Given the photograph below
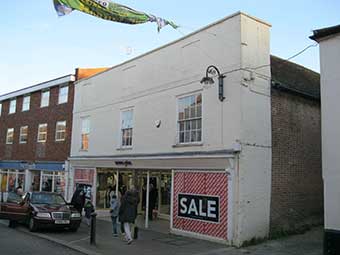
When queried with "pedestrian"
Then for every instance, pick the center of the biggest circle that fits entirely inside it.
(78, 199)
(153, 194)
(114, 213)
(19, 190)
(89, 209)
(108, 194)
(122, 190)
(128, 212)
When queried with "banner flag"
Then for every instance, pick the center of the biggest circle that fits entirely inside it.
(108, 10)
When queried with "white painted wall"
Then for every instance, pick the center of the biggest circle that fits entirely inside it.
(255, 158)
(330, 94)
(151, 84)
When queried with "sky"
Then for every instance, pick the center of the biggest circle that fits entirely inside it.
(36, 45)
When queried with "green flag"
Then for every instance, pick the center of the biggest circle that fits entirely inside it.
(108, 10)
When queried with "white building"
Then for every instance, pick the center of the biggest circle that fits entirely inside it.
(150, 120)
(329, 41)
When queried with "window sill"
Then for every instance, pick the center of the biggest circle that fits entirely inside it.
(180, 145)
(129, 148)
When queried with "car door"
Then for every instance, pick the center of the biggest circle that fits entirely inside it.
(15, 208)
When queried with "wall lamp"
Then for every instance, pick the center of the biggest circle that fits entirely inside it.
(212, 70)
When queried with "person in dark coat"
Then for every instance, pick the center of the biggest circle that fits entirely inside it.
(78, 199)
(153, 194)
(128, 211)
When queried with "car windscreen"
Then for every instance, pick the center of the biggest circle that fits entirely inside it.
(45, 198)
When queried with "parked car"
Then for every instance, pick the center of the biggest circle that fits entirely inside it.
(39, 210)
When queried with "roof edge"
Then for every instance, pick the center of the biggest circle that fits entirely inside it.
(239, 13)
(43, 85)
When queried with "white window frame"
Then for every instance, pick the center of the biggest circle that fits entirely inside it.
(21, 135)
(12, 106)
(196, 93)
(0, 108)
(63, 97)
(85, 131)
(63, 123)
(121, 130)
(42, 133)
(45, 102)
(7, 135)
(26, 105)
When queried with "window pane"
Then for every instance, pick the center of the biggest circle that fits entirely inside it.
(10, 135)
(12, 106)
(42, 133)
(189, 120)
(186, 136)
(26, 103)
(60, 131)
(63, 95)
(23, 134)
(84, 142)
(45, 98)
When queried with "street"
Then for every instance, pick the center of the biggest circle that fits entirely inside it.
(13, 242)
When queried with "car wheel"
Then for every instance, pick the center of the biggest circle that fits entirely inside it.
(12, 224)
(32, 225)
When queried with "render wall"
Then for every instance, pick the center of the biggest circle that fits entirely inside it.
(151, 85)
(254, 172)
(297, 187)
(330, 93)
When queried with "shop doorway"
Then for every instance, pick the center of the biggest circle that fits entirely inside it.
(154, 189)
(155, 192)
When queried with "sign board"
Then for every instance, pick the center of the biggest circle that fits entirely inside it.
(199, 207)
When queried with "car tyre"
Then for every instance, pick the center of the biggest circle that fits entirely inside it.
(12, 224)
(32, 225)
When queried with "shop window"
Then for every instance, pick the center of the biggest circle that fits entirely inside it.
(63, 95)
(10, 136)
(189, 123)
(12, 106)
(53, 182)
(60, 133)
(45, 98)
(26, 103)
(42, 133)
(127, 127)
(85, 133)
(11, 180)
(23, 134)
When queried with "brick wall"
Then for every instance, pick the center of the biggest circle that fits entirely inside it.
(297, 187)
(33, 151)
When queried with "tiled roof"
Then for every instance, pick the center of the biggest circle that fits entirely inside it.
(295, 78)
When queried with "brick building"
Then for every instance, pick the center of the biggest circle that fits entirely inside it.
(296, 193)
(35, 134)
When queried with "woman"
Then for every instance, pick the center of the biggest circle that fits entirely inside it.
(128, 212)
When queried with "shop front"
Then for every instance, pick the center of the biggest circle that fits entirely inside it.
(32, 177)
(187, 196)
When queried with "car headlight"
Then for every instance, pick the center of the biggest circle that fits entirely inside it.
(43, 215)
(75, 215)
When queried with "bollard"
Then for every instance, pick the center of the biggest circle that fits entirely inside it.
(93, 229)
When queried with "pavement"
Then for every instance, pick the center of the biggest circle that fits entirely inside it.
(152, 243)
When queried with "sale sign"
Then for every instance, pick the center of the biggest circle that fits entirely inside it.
(200, 203)
(198, 207)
